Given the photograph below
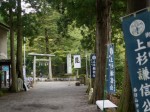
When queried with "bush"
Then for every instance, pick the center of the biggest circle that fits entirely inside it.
(1, 93)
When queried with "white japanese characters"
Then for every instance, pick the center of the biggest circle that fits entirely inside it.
(145, 90)
(110, 70)
(93, 65)
(136, 31)
(143, 74)
(146, 105)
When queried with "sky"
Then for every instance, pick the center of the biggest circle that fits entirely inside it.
(27, 7)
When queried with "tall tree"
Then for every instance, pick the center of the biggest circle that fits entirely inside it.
(46, 29)
(7, 10)
(127, 103)
(102, 37)
(19, 40)
(12, 51)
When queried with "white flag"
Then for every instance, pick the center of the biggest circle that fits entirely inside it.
(77, 61)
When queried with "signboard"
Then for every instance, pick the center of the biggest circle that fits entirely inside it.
(77, 61)
(93, 65)
(136, 31)
(111, 83)
(69, 65)
(5, 68)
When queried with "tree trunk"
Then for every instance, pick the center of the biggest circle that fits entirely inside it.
(46, 41)
(0, 79)
(102, 36)
(126, 102)
(19, 40)
(12, 51)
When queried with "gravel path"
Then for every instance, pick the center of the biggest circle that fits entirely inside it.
(48, 97)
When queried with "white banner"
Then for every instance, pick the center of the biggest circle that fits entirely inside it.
(77, 61)
(69, 64)
(25, 78)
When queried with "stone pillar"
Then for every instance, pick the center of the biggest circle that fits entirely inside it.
(34, 69)
(50, 69)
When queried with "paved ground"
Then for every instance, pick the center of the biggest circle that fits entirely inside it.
(48, 97)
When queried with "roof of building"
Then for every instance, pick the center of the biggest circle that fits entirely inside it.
(5, 62)
(4, 26)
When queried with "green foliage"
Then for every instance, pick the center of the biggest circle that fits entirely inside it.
(88, 41)
(117, 37)
(1, 72)
(119, 67)
(83, 14)
(1, 18)
(1, 93)
(30, 24)
(82, 11)
(71, 26)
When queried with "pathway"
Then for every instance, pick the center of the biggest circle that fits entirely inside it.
(48, 97)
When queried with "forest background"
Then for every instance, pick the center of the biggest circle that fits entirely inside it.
(61, 27)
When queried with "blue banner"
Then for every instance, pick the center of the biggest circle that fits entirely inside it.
(136, 29)
(110, 77)
(5, 68)
(93, 65)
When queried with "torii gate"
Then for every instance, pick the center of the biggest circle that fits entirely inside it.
(35, 60)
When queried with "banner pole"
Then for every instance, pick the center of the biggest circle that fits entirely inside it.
(148, 8)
